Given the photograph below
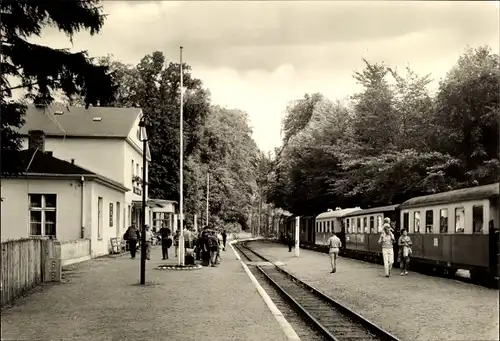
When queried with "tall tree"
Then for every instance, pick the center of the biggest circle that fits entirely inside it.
(41, 70)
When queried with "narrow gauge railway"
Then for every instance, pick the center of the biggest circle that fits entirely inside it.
(335, 321)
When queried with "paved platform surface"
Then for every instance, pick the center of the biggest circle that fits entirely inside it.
(102, 300)
(413, 307)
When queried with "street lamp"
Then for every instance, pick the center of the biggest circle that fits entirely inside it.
(143, 136)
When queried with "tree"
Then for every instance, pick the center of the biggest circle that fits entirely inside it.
(41, 70)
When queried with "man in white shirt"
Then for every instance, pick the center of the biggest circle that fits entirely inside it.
(149, 239)
(334, 245)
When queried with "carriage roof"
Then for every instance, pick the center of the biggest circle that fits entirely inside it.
(337, 213)
(458, 195)
(373, 210)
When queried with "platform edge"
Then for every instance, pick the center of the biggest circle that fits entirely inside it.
(284, 324)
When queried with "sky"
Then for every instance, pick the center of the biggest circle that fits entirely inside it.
(257, 56)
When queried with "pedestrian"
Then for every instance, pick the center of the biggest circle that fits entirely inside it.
(290, 242)
(205, 247)
(166, 241)
(132, 235)
(149, 241)
(219, 245)
(224, 239)
(404, 244)
(334, 245)
(212, 242)
(176, 241)
(387, 240)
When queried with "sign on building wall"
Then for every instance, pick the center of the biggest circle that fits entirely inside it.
(110, 214)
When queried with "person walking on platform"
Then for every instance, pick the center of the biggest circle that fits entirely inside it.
(387, 240)
(334, 245)
(166, 241)
(132, 235)
(219, 246)
(224, 239)
(212, 242)
(205, 247)
(149, 241)
(404, 244)
(290, 242)
(177, 235)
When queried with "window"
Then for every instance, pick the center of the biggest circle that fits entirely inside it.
(348, 225)
(416, 222)
(328, 226)
(129, 216)
(137, 170)
(99, 218)
(358, 224)
(110, 214)
(365, 224)
(459, 220)
(133, 163)
(443, 220)
(429, 221)
(406, 221)
(477, 219)
(43, 214)
(379, 223)
(372, 224)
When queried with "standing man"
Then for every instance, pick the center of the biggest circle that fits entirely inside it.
(334, 245)
(166, 241)
(224, 238)
(132, 235)
(290, 242)
(149, 240)
(387, 240)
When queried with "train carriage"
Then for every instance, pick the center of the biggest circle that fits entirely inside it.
(455, 230)
(306, 229)
(330, 221)
(363, 228)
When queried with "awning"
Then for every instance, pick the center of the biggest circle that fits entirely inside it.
(149, 203)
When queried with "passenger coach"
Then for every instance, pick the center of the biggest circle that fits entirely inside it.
(331, 221)
(455, 230)
(363, 228)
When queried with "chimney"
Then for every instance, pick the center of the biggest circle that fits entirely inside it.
(36, 139)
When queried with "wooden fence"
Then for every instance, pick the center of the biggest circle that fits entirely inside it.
(23, 266)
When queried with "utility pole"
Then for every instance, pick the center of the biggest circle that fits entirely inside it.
(180, 256)
(208, 192)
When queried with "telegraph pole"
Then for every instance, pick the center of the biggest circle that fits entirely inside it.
(181, 170)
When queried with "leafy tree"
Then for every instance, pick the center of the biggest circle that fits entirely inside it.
(41, 70)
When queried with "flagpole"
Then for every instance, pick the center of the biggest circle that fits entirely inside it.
(181, 170)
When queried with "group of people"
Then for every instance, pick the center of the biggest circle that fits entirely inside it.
(386, 240)
(206, 245)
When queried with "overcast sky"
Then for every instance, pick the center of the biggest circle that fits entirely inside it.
(257, 56)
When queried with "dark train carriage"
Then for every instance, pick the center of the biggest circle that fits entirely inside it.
(306, 228)
(363, 228)
(455, 230)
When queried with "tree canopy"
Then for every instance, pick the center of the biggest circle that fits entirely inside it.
(393, 140)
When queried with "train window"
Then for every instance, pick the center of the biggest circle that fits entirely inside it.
(443, 220)
(372, 224)
(459, 220)
(328, 226)
(358, 224)
(429, 221)
(317, 226)
(365, 225)
(416, 222)
(406, 221)
(477, 219)
(379, 223)
(348, 226)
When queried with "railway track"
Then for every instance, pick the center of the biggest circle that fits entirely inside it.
(335, 321)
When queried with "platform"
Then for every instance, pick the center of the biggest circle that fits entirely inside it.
(102, 300)
(413, 307)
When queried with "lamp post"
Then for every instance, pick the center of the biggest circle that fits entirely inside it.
(143, 136)
(180, 259)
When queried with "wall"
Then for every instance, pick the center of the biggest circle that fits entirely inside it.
(75, 251)
(102, 156)
(15, 207)
(101, 246)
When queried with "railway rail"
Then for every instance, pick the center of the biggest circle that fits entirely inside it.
(335, 321)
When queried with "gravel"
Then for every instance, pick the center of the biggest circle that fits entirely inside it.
(413, 307)
(101, 300)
